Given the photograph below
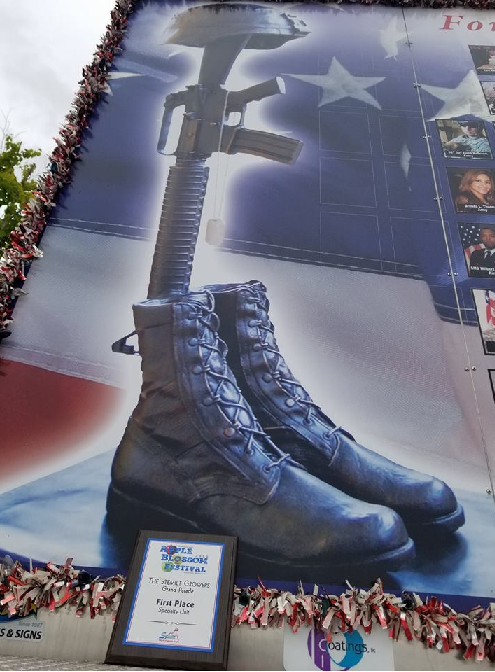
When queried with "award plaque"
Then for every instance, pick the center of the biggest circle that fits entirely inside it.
(176, 607)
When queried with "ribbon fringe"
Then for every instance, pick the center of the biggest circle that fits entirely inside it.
(433, 622)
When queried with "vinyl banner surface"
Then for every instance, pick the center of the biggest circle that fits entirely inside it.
(321, 388)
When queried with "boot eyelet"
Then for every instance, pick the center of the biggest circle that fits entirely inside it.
(193, 341)
(257, 347)
(197, 369)
(249, 452)
(267, 468)
(208, 401)
(229, 431)
(267, 377)
(307, 421)
(328, 435)
(290, 402)
(253, 323)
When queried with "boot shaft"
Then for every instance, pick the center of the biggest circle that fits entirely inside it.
(278, 399)
(253, 353)
(191, 412)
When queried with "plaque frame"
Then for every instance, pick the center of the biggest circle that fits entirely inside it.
(119, 653)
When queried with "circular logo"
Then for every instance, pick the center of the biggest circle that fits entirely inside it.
(343, 653)
(177, 559)
(170, 549)
(168, 566)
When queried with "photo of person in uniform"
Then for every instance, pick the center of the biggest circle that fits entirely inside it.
(465, 138)
(483, 58)
(478, 242)
(473, 190)
(489, 93)
(484, 300)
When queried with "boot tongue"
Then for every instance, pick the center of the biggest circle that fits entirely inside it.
(278, 364)
(200, 298)
(204, 298)
(235, 287)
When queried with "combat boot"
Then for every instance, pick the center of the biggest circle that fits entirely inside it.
(194, 459)
(292, 420)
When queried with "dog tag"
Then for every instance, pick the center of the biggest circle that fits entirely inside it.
(215, 231)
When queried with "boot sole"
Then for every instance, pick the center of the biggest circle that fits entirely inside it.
(447, 524)
(127, 515)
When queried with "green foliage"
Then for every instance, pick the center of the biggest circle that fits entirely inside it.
(16, 184)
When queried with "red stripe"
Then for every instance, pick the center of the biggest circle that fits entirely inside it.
(46, 414)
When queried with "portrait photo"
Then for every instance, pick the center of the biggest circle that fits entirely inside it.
(473, 189)
(489, 93)
(478, 243)
(483, 58)
(463, 138)
(484, 300)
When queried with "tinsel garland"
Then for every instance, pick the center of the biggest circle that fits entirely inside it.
(23, 591)
(22, 247)
(433, 622)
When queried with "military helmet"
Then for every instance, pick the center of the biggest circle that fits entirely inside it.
(204, 24)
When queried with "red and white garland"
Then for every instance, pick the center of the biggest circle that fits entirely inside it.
(22, 248)
(25, 591)
(433, 622)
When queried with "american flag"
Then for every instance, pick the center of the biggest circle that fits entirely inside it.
(470, 239)
(490, 306)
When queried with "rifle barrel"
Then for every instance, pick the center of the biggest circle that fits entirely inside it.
(179, 227)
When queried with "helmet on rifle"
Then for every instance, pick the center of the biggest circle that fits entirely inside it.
(268, 29)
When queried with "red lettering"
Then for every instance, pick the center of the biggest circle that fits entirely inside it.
(474, 25)
(449, 19)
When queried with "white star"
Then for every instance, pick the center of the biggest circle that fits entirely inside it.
(175, 52)
(117, 75)
(405, 159)
(142, 69)
(338, 83)
(466, 98)
(390, 38)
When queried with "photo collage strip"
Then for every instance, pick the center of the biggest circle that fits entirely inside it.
(473, 193)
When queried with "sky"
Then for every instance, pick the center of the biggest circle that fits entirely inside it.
(43, 48)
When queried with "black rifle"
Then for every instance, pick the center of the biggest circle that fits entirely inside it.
(224, 30)
(205, 131)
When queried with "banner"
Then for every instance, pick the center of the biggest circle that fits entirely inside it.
(321, 390)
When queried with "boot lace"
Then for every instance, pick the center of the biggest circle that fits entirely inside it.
(224, 390)
(278, 367)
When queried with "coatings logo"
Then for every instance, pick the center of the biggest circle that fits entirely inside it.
(345, 652)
